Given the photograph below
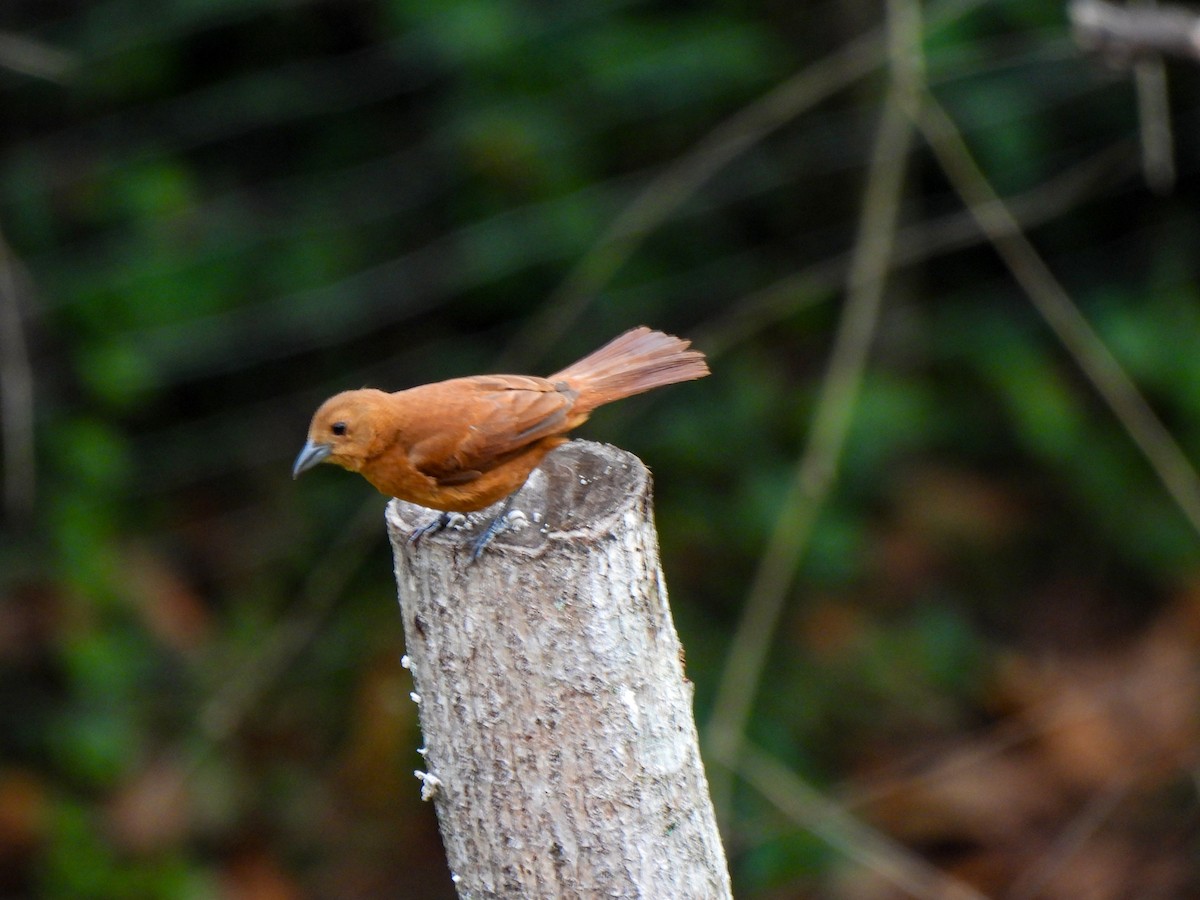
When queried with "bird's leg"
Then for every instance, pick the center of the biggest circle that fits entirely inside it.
(441, 523)
(498, 523)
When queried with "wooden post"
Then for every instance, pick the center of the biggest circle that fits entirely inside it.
(561, 750)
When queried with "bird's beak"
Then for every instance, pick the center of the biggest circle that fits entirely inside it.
(309, 456)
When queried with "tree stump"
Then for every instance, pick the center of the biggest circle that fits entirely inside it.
(561, 750)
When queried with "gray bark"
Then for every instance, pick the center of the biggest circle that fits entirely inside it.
(561, 750)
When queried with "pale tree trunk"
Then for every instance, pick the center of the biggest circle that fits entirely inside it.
(561, 751)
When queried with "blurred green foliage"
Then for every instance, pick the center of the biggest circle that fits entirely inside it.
(226, 211)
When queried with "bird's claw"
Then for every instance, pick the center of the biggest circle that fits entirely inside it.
(494, 527)
(502, 522)
(441, 523)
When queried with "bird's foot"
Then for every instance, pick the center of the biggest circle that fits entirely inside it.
(504, 520)
(441, 523)
(494, 527)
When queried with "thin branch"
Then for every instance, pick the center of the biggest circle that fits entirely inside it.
(29, 57)
(1054, 304)
(16, 393)
(680, 181)
(817, 468)
(1125, 33)
(1154, 119)
(830, 821)
(915, 243)
(1033, 882)
(253, 676)
(1040, 721)
(659, 199)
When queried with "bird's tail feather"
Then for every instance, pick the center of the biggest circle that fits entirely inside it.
(636, 361)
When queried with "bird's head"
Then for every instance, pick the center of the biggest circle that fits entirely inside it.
(346, 430)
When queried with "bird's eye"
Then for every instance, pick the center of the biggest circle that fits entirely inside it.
(338, 428)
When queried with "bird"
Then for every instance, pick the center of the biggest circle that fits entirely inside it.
(461, 445)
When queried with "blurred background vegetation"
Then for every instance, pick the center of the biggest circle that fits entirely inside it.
(940, 602)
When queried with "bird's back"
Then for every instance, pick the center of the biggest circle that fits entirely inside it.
(463, 444)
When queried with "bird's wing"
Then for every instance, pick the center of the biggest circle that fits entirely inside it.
(495, 417)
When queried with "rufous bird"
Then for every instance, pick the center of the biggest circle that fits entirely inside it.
(461, 445)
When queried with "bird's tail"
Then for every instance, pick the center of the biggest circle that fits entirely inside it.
(636, 361)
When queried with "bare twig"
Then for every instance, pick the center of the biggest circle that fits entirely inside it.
(817, 468)
(252, 676)
(915, 242)
(1054, 304)
(1125, 33)
(30, 57)
(1041, 721)
(16, 393)
(684, 177)
(830, 821)
(1033, 881)
(1154, 119)
(1138, 35)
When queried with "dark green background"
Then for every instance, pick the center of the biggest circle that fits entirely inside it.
(221, 212)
